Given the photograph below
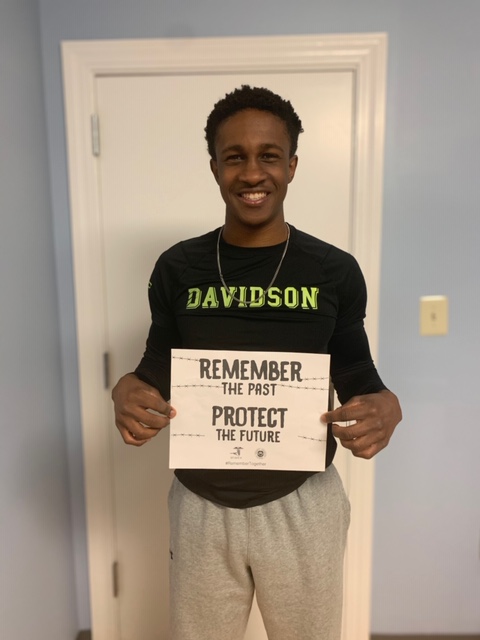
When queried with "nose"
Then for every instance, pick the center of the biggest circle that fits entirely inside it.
(252, 171)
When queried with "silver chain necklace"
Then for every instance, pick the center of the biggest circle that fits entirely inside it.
(262, 295)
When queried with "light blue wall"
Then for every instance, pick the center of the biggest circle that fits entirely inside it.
(427, 522)
(37, 595)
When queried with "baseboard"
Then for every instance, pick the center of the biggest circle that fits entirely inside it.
(375, 636)
(87, 635)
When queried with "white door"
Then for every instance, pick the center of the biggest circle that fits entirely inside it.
(151, 186)
(156, 188)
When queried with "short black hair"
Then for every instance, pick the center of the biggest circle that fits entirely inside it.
(247, 97)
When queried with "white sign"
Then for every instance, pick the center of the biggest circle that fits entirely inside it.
(248, 410)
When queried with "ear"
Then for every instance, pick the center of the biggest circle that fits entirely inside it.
(292, 167)
(214, 169)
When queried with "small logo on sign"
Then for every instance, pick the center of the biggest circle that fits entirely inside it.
(260, 453)
(237, 451)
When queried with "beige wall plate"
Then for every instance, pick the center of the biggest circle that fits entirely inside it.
(433, 315)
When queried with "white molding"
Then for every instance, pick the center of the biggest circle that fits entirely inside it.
(89, 296)
(366, 246)
(83, 61)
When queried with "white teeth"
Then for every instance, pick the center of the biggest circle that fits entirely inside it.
(254, 196)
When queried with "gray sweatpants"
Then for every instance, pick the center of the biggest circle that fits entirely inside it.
(290, 551)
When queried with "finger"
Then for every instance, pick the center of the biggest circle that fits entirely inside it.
(371, 428)
(130, 400)
(355, 445)
(142, 428)
(366, 451)
(344, 434)
(364, 446)
(148, 417)
(136, 411)
(138, 430)
(151, 400)
(131, 439)
(354, 409)
(360, 430)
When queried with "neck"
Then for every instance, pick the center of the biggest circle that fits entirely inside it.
(262, 295)
(255, 236)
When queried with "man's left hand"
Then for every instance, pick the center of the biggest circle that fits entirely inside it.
(375, 416)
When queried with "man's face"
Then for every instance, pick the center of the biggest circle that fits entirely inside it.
(253, 169)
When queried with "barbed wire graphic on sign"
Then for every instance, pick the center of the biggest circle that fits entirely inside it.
(210, 386)
(296, 386)
(314, 439)
(188, 435)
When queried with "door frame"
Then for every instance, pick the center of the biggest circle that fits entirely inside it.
(364, 55)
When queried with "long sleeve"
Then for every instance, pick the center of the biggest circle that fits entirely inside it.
(154, 367)
(352, 369)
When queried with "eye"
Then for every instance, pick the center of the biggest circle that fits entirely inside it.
(269, 157)
(233, 158)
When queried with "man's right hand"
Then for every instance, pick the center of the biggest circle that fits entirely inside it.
(137, 409)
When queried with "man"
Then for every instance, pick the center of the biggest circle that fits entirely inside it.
(279, 533)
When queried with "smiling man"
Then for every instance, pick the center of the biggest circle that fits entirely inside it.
(258, 283)
(253, 164)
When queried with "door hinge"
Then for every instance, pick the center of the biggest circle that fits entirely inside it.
(115, 579)
(95, 128)
(106, 370)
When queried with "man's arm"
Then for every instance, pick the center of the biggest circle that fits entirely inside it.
(140, 411)
(375, 415)
(365, 399)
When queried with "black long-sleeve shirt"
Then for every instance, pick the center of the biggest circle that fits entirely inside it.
(316, 305)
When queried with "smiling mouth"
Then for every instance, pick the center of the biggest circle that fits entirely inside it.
(253, 198)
